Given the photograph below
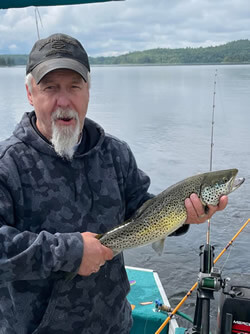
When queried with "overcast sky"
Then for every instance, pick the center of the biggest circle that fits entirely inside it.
(119, 27)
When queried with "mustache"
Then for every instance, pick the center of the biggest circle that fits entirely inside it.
(65, 114)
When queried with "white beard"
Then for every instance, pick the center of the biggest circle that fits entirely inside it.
(64, 138)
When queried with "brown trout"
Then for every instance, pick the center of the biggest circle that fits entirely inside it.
(165, 213)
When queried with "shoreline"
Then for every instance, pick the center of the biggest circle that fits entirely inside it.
(147, 64)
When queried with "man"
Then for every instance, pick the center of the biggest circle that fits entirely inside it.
(62, 180)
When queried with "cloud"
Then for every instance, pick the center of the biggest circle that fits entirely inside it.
(123, 26)
(13, 47)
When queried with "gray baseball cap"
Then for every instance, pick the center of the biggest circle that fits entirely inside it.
(56, 52)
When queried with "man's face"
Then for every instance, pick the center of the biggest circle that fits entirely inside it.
(60, 101)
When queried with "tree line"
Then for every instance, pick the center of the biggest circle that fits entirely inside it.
(13, 60)
(232, 52)
(236, 52)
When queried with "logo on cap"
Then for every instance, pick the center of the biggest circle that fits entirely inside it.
(58, 44)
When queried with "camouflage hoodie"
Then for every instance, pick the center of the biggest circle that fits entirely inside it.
(45, 202)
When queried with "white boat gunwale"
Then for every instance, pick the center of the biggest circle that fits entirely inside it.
(173, 323)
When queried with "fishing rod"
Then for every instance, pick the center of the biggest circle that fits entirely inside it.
(196, 284)
(212, 127)
(207, 272)
(211, 148)
(37, 15)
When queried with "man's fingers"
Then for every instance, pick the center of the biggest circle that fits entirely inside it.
(94, 255)
(211, 210)
(107, 253)
(197, 205)
(223, 203)
(190, 208)
(195, 210)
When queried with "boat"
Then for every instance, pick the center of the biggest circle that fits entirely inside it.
(146, 290)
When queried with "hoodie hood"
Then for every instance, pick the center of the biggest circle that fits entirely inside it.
(27, 132)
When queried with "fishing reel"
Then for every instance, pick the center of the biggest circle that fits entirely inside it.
(210, 281)
(209, 278)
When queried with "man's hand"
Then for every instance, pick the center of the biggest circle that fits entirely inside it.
(94, 255)
(195, 209)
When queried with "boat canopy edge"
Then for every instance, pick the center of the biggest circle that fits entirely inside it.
(5, 4)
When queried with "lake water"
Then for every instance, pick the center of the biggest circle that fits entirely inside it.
(164, 113)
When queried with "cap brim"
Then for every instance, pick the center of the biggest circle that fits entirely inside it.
(58, 63)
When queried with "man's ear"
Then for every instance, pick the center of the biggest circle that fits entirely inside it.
(29, 95)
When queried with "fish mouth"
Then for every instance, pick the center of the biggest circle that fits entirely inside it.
(236, 183)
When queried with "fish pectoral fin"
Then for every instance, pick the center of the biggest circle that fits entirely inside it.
(98, 236)
(158, 246)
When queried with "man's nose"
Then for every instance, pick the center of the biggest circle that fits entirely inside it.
(63, 100)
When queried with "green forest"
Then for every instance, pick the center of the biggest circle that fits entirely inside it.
(236, 52)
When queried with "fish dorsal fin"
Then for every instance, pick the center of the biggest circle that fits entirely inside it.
(158, 246)
(142, 208)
